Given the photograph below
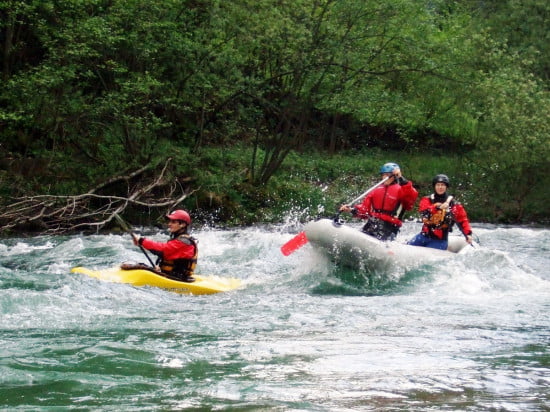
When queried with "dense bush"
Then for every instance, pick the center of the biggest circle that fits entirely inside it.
(269, 105)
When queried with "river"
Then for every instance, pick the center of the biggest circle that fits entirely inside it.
(468, 334)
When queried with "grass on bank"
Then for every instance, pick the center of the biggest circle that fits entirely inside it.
(307, 185)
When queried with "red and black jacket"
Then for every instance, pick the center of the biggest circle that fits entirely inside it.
(439, 228)
(177, 257)
(388, 202)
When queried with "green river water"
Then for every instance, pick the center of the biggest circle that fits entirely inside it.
(468, 334)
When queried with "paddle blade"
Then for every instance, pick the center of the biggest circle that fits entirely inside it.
(295, 243)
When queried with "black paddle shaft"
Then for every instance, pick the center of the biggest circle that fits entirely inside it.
(126, 227)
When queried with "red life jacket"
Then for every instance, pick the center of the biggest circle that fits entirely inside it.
(439, 229)
(177, 257)
(181, 266)
(388, 203)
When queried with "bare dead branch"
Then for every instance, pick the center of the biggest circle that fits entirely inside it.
(93, 210)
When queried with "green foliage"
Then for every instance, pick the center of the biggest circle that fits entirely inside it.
(523, 26)
(241, 91)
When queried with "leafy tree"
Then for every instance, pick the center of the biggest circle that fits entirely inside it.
(520, 24)
(116, 84)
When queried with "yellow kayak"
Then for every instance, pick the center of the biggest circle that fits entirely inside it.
(203, 285)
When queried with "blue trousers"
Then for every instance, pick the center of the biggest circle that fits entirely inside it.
(422, 240)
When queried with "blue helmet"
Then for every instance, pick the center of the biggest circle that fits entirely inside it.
(389, 167)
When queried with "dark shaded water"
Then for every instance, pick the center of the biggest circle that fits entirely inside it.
(468, 334)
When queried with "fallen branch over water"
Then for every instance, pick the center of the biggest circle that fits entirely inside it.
(95, 209)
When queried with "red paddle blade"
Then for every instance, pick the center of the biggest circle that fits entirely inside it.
(295, 243)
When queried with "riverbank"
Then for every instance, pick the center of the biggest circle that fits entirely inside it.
(312, 184)
(221, 190)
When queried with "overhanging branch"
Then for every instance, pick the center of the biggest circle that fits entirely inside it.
(93, 210)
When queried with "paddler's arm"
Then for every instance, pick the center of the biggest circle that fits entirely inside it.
(356, 211)
(154, 247)
(136, 239)
(461, 219)
(468, 236)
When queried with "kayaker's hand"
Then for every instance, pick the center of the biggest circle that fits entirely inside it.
(398, 177)
(469, 239)
(136, 239)
(397, 173)
(345, 208)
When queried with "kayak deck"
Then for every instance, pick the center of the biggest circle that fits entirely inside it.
(203, 285)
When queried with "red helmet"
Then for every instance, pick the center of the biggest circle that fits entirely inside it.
(179, 215)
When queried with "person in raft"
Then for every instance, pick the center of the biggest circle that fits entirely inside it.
(439, 213)
(384, 207)
(177, 258)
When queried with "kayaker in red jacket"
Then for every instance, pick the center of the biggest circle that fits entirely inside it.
(439, 213)
(385, 206)
(178, 257)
